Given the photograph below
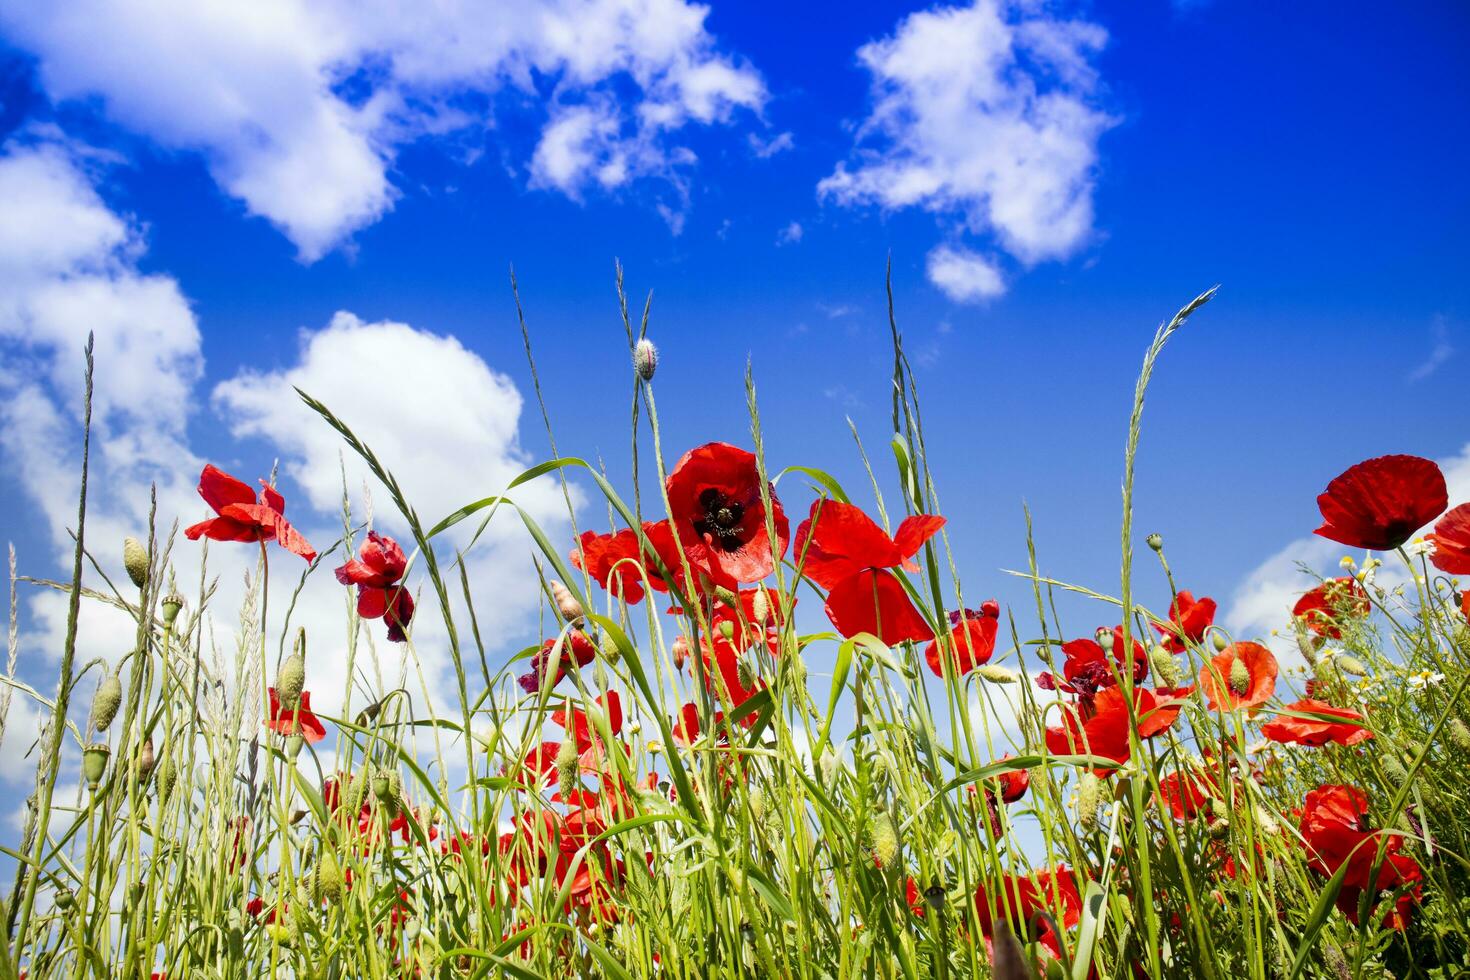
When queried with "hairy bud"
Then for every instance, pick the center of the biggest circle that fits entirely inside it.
(996, 674)
(567, 770)
(328, 878)
(1351, 665)
(135, 560)
(290, 680)
(107, 701)
(1164, 666)
(885, 839)
(645, 359)
(760, 607)
(1089, 793)
(1240, 676)
(168, 774)
(146, 759)
(1458, 734)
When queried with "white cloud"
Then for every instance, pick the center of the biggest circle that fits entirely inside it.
(789, 235)
(963, 275)
(1442, 351)
(985, 113)
(767, 148)
(1263, 600)
(299, 108)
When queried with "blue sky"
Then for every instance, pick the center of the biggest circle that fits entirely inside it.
(209, 190)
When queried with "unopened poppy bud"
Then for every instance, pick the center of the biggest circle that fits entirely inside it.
(1394, 769)
(566, 769)
(1308, 646)
(290, 680)
(1219, 828)
(1155, 541)
(1351, 665)
(608, 647)
(107, 701)
(760, 607)
(757, 799)
(1266, 823)
(885, 839)
(566, 603)
(745, 673)
(1458, 734)
(680, 652)
(1105, 639)
(172, 603)
(1240, 676)
(996, 674)
(645, 358)
(135, 560)
(329, 878)
(94, 763)
(1165, 668)
(146, 759)
(168, 774)
(1089, 793)
(1219, 641)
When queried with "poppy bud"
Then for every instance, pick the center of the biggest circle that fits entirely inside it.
(106, 702)
(1351, 665)
(996, 674)
(645, 359)
(1266, 823)
(94, 763)
(757, 800)
(760, 607)
(367, 715)
(146, 759)
(608, 647)
(1394, 769)
(168, 774)
(566, 603)
(328, 878)
(680, 652)
(745, 673)
(566, 769)
(1240, 676)
(172, 603)
(1219, 641)
(1308, 646)
(1105, 639)
(1165, 668)
(1155, 541)
(830, 764)
(1219, 828)
(885, 839)
(290, 679)
(1458, 735)
(135, 560)
(727, 630)
(1089, 792)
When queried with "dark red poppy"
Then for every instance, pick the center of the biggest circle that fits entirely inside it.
(1342, 729)
(378, 572)
(1018, 899)
(1012, 784)
(1242, 675)
(300, 721)
(243, 517)
(971, 640)
(715, 498)
(1336, 828)
(1323, 608)
(576, 646)
(1380, 502)
(1452, 542)
(1188, 620)
(1090, 668)
(615, 562)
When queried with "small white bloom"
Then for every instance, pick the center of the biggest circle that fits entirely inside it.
(1420, 546)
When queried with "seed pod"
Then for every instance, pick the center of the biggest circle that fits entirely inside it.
(106, 702)
(294, 744)
(172, 603)
(1164, 666)
(1089, 791)
(290, 680)
(566, 603)
(135, 560)
(1351, 665)
(328, 878)
(745, 673)
(1458, 735)
(94, 763)
(645, 359)
(146, 759)
(1155, 541)
(1240, 676)
(885, 839)
(1105, 639)
(996, 674)
(567, 770)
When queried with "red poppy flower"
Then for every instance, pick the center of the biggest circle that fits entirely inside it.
(1228, 686)
(1187, 794)
(1105, 731)
(912, 897)
(1379, 503)
(1452, 542)
(1324, 607)
(1188, 620)
(295, 722)
(715, 498)
(1337, 831)
(1089, 668)
(576, 646)
(723, 678)
(971, 640)
(874, 601)
(580, 727)
(1013, 784)
(615, 562)
(755, 620)
(377, 573)
(244, 518)
(1017, 899)
(1312, 731)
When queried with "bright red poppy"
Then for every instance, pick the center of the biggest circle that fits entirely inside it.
(1105, 731)
(715, 498)
(971, 640)
(300, 721)
(1323, 608)
(1342, 729)
(1013, 784)
(729, 681)
(615, 562)
(377, 572)
(1242, 675)
(1335, 826)
(243, 517)
(1380, 502)
(1017, 899)
(579, 725)
(1188, 620)
(1187, 794)
(576, 646)
(1452, 542)
(1090, 668)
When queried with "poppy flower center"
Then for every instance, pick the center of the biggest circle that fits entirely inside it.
(721, 520)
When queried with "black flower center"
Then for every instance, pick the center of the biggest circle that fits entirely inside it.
(720, 519)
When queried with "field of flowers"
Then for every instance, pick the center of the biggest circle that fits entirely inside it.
(659, 788)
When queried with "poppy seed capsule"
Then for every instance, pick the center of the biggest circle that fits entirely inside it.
(727, 630)
(135, 560)
(566, 603)
(107, 701)
(172, 603)
(645, 358)
(1155, 541)
(996, 674)
(1105, 639)
(94, 763)
(1240, 676)
(290, 680)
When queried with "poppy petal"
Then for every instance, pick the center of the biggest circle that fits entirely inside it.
(873, 601)
(1452, 542)
(219, 489)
